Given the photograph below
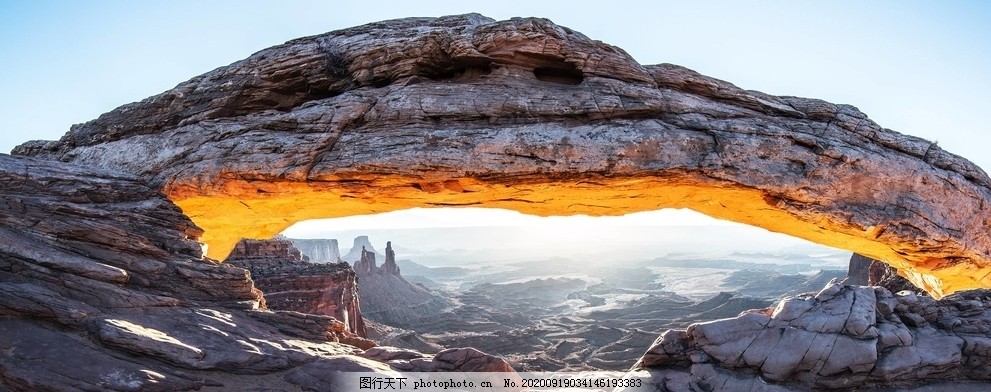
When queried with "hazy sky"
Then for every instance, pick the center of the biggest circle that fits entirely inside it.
(918, 67)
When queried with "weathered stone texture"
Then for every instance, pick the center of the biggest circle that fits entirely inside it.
(103, 287)
(839, 338)
(530, 116)
(289, 283)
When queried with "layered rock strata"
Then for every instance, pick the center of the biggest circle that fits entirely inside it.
(843, 337)
(530, 116)
(103, 287)
(318, 250)
(290, 283)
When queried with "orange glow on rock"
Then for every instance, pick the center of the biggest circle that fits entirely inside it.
(248, 209)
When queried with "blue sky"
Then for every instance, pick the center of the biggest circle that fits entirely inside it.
(918, 67)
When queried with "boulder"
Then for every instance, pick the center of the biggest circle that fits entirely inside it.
(843, 337)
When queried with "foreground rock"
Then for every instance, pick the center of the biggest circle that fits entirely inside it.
(103, 287)
(289, 283)
(534, 117)
(842, 337)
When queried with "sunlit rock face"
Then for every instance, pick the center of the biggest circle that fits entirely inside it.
(533, 117)
(290, 283)
(102, 280)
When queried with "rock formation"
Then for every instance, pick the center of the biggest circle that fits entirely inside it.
(366, 263)
(103, 287)
(530, 116)
(859, 271)
(881, 274)
(866, 271)
(261, 252)
(289, 283)
(361, 244)
(389, 266)
(387, 297)
(318, 250)
(843, 337)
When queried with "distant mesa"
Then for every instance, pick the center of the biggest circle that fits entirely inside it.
(318, 250)
(360, 243)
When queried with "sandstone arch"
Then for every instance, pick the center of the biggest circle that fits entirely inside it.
(534, 117)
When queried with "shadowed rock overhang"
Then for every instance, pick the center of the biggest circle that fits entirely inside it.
(533, 117)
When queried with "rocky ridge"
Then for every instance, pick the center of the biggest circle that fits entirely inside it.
(103, 286)
(530, 116)
(290, 283)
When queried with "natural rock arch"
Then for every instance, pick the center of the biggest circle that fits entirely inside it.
(530, 116)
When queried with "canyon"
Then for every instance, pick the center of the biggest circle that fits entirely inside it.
(278, 269)
(110, 236)
(600, 316)
(862, 326)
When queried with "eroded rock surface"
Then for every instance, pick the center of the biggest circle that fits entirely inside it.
(290, 283)
(842, 337)
(530, 116)
(103, 287)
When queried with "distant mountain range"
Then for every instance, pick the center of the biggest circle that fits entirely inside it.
(466, 245)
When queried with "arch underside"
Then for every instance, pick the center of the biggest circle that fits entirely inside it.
(227, 219)
(530, 116)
